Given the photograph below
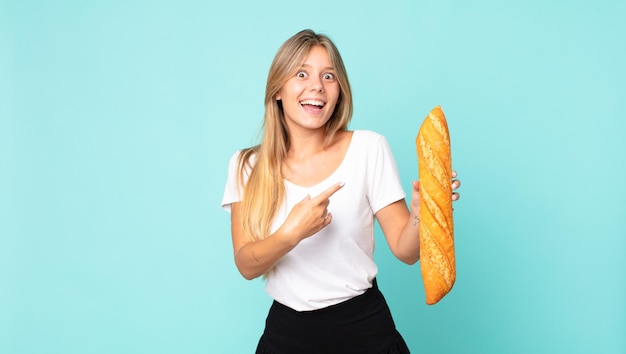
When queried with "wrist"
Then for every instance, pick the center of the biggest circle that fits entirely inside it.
(415, 220)
(286, 238)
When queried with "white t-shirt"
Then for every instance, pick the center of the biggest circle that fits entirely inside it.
(336, 263)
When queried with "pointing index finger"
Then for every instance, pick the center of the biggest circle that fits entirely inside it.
(330, 191)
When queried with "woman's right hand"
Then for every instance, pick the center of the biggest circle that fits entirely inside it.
(254, 258)
(310, 215)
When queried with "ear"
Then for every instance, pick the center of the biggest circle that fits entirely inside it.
(277, 97)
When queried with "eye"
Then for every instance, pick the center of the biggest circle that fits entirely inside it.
(329, 76)
(301, 74)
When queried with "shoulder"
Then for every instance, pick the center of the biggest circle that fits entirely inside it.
(242, 162)
(368, 134)
(235, 159)
(245, 156)
(369, 139)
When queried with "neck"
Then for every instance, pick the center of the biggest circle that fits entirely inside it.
(306, 144)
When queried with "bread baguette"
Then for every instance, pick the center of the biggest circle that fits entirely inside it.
(436, 227)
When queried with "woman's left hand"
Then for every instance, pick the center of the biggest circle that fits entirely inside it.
(415, 197)
(455, 185)
(405, 241)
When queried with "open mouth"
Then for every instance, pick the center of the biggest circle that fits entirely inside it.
(312, 104)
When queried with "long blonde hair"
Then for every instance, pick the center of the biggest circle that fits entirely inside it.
(264, 190)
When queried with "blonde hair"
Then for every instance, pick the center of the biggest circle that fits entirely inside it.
(264, 190)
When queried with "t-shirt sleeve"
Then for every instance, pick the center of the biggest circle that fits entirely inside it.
(384, 186)
(232, 191)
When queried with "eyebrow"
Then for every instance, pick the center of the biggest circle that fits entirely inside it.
(326, 68)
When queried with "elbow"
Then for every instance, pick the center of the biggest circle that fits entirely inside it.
(244, 268)
(409, 259)
(246, 273)
(248, 276)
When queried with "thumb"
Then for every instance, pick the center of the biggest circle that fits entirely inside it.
(306, 198)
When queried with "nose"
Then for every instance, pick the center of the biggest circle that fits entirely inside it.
(315, 84)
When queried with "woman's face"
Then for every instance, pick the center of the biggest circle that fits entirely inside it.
(310, 96)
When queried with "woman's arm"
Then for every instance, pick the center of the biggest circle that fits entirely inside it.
(254, 258)
(400, 225)
(401, 229)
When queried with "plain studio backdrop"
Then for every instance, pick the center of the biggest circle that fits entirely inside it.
(117, 120)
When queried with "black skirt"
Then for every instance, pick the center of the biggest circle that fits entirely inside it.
(360, 325)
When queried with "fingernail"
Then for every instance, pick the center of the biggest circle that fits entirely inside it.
(341, 184)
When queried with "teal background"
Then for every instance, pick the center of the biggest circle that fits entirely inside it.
(117, 120)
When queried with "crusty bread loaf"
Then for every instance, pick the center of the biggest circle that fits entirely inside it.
(436, 227)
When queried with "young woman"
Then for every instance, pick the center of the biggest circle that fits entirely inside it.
(303, 204)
